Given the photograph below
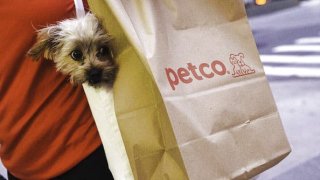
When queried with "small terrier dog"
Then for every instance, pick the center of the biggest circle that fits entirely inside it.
(79, 49)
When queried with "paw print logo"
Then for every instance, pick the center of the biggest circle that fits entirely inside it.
(240, 68)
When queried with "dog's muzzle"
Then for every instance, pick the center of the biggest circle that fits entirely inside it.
(94, 75)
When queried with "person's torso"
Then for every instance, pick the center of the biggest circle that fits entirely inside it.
(46, 126)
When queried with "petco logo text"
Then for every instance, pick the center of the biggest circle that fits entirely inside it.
(216, 68)
(188, 74)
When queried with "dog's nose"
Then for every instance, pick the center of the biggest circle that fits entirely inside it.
(94, 75)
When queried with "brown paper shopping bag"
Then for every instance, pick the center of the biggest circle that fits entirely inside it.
(191, 97)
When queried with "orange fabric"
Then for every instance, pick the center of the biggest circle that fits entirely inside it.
(46, 126)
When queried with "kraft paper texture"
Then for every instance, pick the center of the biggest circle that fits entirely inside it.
(191, 97)
(144, 125)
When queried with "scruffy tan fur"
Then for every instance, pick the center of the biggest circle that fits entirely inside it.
(67, 40)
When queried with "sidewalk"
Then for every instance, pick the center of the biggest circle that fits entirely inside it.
(298, 104)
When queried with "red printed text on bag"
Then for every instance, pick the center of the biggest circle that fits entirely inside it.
(216, 68)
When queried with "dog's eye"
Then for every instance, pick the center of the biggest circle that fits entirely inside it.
(76, 55)
(103, 51)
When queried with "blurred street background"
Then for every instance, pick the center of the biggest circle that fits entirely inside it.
(288, 39)
(287, 34)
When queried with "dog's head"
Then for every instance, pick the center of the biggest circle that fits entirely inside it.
(237, 59)
(80, 48)
(233, 60)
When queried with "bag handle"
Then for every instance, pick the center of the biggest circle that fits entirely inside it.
(80, 12)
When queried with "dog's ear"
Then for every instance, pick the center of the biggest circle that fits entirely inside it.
(231, 59)
(47, 43)
(241, 55)
(101, 27)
